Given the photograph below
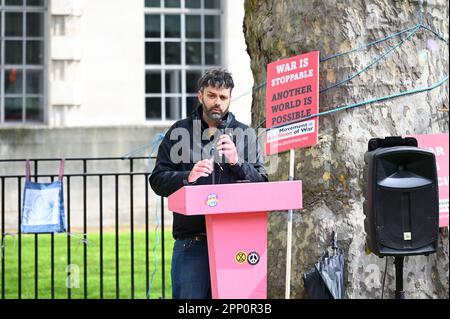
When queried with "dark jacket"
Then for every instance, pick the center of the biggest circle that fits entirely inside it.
(167, 177)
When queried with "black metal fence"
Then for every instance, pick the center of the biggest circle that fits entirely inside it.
(102, 265)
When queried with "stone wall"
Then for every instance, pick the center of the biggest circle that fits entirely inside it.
(332, 171)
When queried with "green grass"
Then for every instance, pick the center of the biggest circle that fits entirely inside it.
(93, 266)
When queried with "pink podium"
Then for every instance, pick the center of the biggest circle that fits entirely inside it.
(236, 226)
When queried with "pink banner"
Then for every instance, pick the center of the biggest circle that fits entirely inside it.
(438, 143)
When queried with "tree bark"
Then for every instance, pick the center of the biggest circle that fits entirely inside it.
(332, 170)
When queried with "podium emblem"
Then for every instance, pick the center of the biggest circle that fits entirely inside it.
(212, 200)
(253, 258)
(241, 257)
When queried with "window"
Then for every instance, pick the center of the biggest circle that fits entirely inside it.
(182, 40)
(22, 60)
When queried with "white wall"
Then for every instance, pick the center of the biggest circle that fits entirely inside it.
(237, 60)
(112, 64)
(109, 86)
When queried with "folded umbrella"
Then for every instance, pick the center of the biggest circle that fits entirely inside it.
(326, 279)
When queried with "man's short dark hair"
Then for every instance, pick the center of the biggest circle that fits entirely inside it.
(219, 78)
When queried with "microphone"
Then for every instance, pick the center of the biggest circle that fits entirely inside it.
(222, 126)
(221, 129)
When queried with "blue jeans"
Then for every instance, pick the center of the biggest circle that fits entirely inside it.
(190, 270)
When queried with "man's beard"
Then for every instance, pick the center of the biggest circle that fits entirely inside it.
(214, 116)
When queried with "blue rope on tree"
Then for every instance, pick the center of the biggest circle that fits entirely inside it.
(420, 12)
(362, 47)
(374, 62)
(371, 101)
(412, 31)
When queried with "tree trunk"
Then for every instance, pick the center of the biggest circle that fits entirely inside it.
(332, 170)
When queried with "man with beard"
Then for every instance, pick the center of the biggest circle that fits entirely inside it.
(223, 162)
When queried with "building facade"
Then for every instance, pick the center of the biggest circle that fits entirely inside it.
(84, 63)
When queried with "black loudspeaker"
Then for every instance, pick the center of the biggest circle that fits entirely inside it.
(401, 198)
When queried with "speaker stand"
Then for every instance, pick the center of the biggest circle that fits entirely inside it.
(399, 293)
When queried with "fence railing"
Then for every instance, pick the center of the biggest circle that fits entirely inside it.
(119, 253)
